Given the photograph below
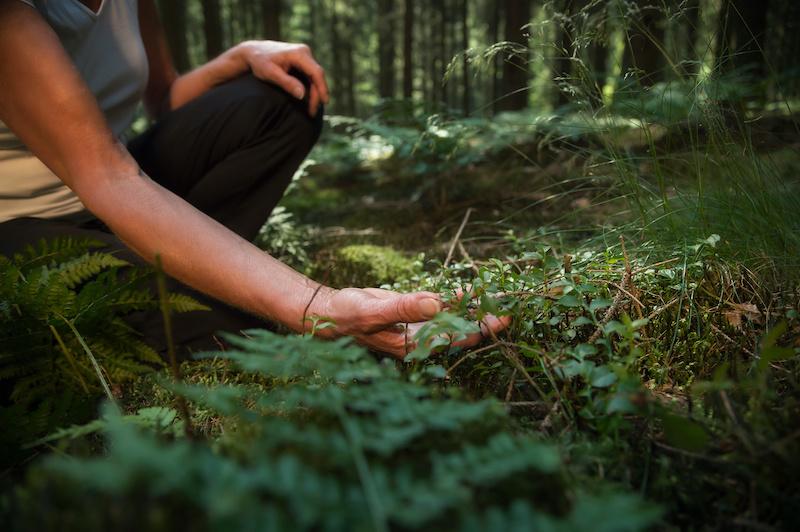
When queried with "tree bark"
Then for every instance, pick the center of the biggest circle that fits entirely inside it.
(173, 15)
(645, 37)
(466, 93)
(741, 37)
(272, 19)
(387, 34)
(515, 67)
(212, 28)
(338, 74)
(495, 16)
(440, 61)
(408, 50)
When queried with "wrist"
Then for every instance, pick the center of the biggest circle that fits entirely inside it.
(242, 54)
(319, 309)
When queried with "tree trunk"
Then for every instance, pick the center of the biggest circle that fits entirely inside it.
(645, 37)
(741, 36)
(338, 74)
(494, 37)
(515, 67)
(441, 51)
(580, 67)
(408, 50)
(466, 94)
(386, 48)
(173, 15)
(212, 28)
(691, 20)
(272, 19)
(350, 67)
(312, 25)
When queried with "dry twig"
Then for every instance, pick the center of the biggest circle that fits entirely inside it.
(619, 299)
(457, 237)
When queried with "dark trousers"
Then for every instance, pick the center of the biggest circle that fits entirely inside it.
(231, 153)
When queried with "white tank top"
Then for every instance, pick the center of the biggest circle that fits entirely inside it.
(107, 49)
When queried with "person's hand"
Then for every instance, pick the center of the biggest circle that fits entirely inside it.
(272, 61)
(387, 321)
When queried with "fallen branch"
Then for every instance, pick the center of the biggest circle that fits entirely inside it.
(457, 237)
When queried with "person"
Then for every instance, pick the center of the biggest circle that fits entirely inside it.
(195, 188)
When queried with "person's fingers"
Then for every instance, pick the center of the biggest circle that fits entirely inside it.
(406, 308)
(393, 342)
(275, 74)
(306, 63)
(313, 101)
(489, 327)
(400, 341)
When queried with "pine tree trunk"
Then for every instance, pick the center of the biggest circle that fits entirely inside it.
(272, 19)
(212, 28)
(386, 48)
(338, 73)
(743, 28)
(408, 50)
(645, 37)
(350, 67)
(312, 25)
(173, 15)
(441, 51)
(515, 67)
(494, 37)
(466, 94)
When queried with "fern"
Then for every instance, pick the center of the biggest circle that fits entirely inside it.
(48, 289)
(314, 436)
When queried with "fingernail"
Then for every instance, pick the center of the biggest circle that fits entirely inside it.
(298, 93)
(429, 307)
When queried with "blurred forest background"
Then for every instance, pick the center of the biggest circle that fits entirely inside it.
(481, 57)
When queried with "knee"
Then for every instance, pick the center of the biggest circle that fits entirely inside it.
(274, 112)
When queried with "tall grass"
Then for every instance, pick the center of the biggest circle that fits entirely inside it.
(694, 168)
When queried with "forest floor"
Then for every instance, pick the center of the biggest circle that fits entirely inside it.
(650, 377)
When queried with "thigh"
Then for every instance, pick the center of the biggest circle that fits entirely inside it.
(185, 144)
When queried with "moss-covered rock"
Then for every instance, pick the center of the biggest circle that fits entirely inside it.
(364, 265)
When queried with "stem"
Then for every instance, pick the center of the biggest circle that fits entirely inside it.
(183, 407)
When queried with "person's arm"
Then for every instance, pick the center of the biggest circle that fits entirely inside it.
(46, 103)
(270, 61)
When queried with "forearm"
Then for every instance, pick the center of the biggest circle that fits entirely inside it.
(194, 248)
(229, 65)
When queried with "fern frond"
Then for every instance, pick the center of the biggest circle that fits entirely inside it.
(183, 303)
(54, 251)
(79, 270)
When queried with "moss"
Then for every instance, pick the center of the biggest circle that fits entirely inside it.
(364, 265)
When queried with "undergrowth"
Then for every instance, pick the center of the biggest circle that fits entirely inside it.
(63, 339)
(335, 441)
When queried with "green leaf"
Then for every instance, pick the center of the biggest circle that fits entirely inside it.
(602, 377)
(684, 433)
(599, 303)
(569, 301)
(770, 351)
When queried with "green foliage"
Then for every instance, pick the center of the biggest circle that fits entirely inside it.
(62, 332)
(338, 441)
(284, 239)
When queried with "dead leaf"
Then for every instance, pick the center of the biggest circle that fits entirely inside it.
(734, 319)
(742, 310)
